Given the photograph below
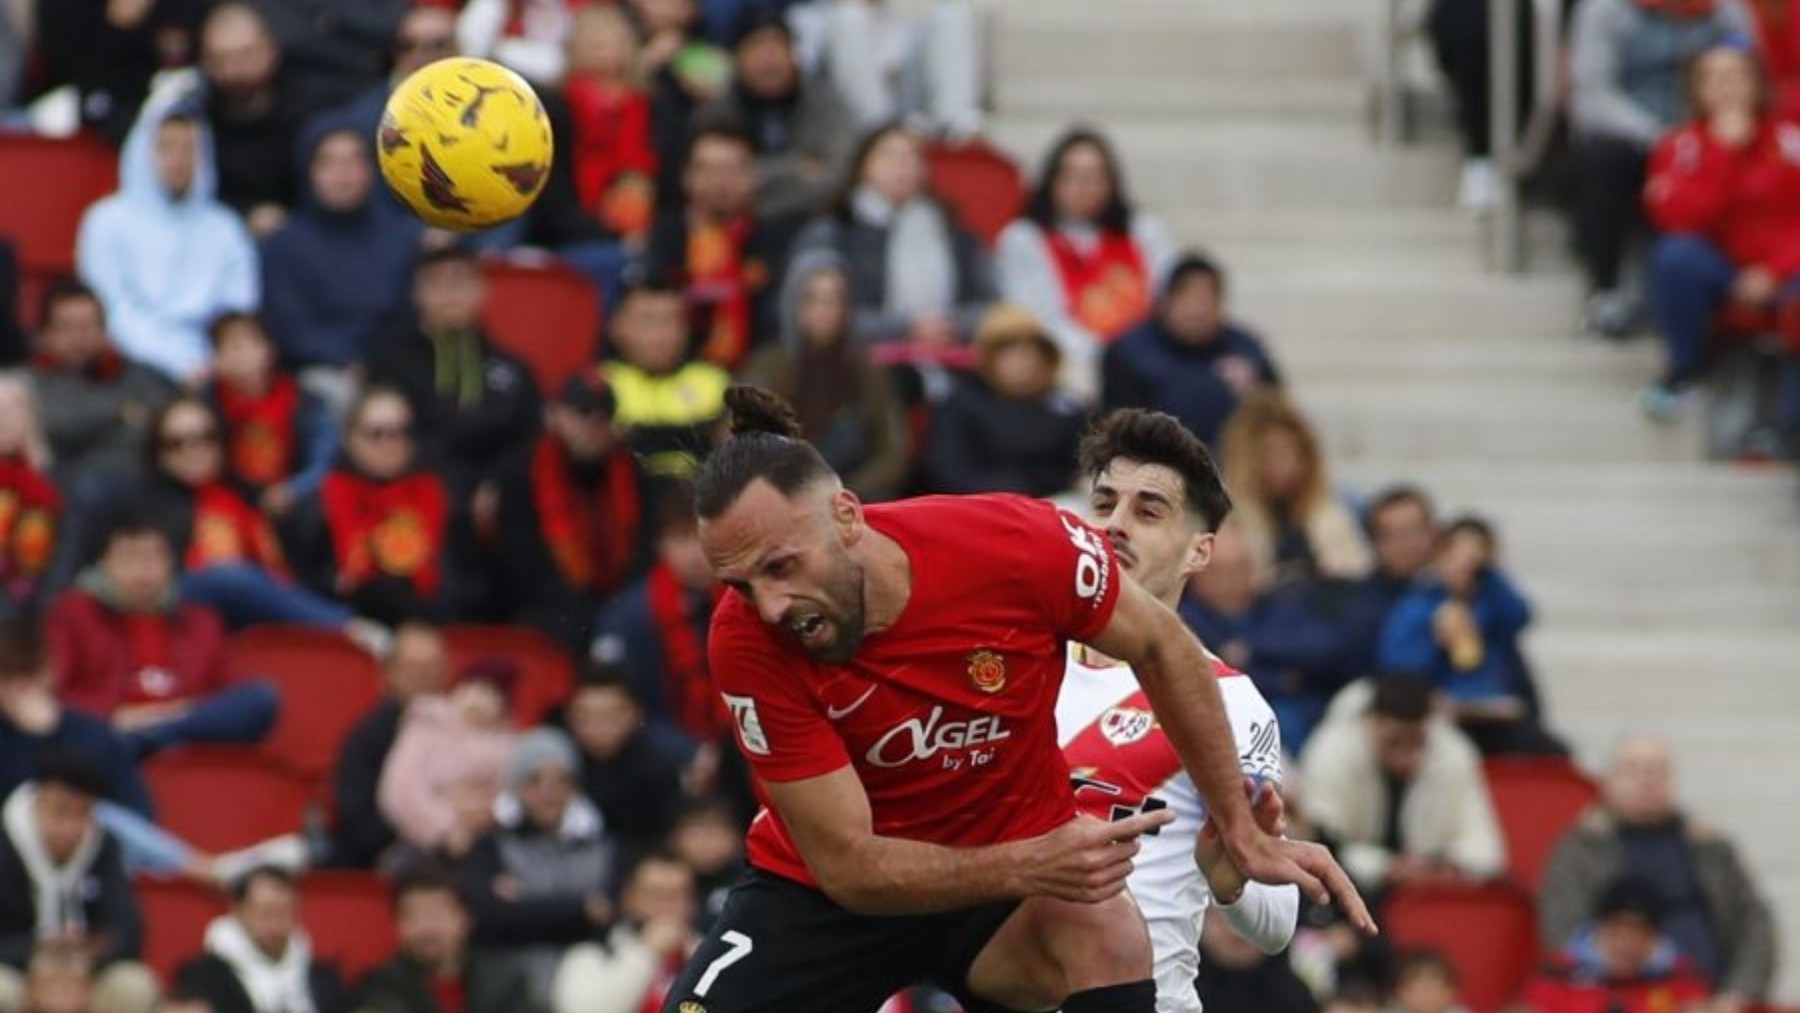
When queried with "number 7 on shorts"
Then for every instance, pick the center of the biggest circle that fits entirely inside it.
(738, 946)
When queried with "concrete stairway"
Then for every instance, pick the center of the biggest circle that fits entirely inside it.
(1668, 590)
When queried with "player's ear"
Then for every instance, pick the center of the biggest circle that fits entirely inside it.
(1199, 553)
(847, 515)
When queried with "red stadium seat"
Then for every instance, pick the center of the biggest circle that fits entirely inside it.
(350, 919)
(219, 798)
(327, 684)
(1537, 799)
(548, 316)
(50, 184)
(983, 185)
(546, 672)
(1489, 932)
(346, 914)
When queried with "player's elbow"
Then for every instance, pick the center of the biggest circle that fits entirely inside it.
(854, 890)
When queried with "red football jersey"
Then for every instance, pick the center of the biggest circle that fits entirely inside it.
(949, 715)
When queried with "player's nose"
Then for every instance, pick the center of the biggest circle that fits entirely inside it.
(772, 605)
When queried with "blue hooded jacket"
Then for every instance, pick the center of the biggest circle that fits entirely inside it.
(166, 266)
(332, 279)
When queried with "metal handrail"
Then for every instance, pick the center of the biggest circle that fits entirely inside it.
(1518, 151)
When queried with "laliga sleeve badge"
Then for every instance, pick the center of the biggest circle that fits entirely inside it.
(987, 671)
(690, 1006)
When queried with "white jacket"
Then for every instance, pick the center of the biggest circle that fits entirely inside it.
(1447, 813)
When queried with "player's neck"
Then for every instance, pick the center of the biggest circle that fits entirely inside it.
(887, 581)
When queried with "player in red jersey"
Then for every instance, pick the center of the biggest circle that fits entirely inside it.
(892, 675)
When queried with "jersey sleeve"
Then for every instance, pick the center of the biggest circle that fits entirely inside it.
(778, 728)
(1071, 568)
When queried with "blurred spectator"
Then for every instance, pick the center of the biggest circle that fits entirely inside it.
(425, 34)
(162, 255)
(1620, 962)
(1297, 639)
(1460, 627)
(1403, 529)
(631, 774)
(1397, 791)
(615, 165)
(667, 403)
(1461, 41)
(436, 971)
(576, 525)
(541, 880)
(62, 878)
(96, 403)
(1711, 909)
(709, 837)
(530, 36)
(107, 51)
(1082, 258)
(374, 533)
(440, 781)
(917, 276)
(1725, 191)
(718, 249)
(1237, 977)
(1188, 359)
(891, 64)
(656, 628)
(60, 978)
(683, 72)
(1626, 62)
(331, 49)
(847, 406)
(475, 408)
(1276, 471)
(1778, 40)
(254, 115)
(14, 348)
(258, 959)
(35, 727)
(1006, 428)
(646, 949)
(340, 267)
(229, 558)
(279, 439)
(417, 668)
(801, 129)
(30, 506)
(1425, 982)
(126, 650)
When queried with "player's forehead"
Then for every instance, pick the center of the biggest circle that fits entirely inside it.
(1126, 478)
(759, 525)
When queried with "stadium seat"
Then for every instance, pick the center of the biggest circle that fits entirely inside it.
(1537, 799)
(546, 673)
(327, 684)
(980, 183)
(219, 798)
(1488, 931)
(350, 919)
(54, 181)
(175, 913)
(547, 315)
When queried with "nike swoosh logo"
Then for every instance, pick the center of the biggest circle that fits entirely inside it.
(834, 713)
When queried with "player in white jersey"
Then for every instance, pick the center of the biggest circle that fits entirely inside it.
(1156, 493)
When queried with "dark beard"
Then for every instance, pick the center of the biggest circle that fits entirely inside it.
(847, 628)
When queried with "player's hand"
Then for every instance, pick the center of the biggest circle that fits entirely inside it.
(1226, 882)
(1269, 859)
(1086, 860)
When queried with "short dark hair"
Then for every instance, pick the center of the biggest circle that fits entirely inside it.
(673, 511)
(73, 771)
(1397, 495)
(215, 330)
(129, 518)
(239, 888)
(67, 289)
(455, 253)
(595, 674)
(655, 856)
(1630, 895)
(717, 126)
(426, 876)
(1194, 264)
(1041, 208)
(1471, 524)
(22, 650)
(764, 444)
(1403, 697)
(1425, 960)
(1149, 437)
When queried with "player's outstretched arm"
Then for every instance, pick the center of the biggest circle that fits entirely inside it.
(1178, 678)
(1084, 860)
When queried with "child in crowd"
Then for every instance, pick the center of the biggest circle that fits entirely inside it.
(279, 439)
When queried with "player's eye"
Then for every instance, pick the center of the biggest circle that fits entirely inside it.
(780, 568)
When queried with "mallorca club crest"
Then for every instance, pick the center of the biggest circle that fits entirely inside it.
(987, 671)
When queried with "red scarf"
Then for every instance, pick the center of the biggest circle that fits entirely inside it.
(103, 368)
(721, 281)
(260, 431)
(612, 140)
(391, 529)
(1106, 291)
(687, 681)
(591, 535)
(29, 506)
(228, 530)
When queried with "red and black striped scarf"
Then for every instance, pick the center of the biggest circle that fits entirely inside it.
(688, 681)
(591, 533)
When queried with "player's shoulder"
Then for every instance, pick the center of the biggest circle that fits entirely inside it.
(987, 523)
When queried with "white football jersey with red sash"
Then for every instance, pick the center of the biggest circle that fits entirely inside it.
(1123, 763)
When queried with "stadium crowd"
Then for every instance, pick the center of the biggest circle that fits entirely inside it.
(267, 395)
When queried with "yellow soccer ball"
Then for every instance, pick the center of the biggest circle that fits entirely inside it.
(465, 144)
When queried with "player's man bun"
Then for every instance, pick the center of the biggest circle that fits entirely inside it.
(750, 409)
